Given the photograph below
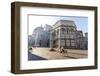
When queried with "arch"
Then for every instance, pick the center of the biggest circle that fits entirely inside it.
(68, 30)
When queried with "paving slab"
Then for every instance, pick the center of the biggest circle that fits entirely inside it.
(47, 54)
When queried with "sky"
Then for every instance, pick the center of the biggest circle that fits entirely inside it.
(38, 20)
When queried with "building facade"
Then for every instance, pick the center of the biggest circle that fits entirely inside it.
(40, 36)
(65, 34)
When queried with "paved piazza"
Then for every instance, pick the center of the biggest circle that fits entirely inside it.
(47, 54)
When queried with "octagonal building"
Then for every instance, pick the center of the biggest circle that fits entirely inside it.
(63, 34)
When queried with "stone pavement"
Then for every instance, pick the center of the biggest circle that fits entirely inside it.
(47, 54)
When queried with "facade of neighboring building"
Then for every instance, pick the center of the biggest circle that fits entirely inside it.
(31, 41)
(82, 41)
(65, 34)
(41, 36)
(79, 39)
(85, 41)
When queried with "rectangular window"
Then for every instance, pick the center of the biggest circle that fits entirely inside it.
(67, 42)
(72, 41)
(72, 44)
(62, 42)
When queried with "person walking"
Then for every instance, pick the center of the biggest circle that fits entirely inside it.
(63, 51)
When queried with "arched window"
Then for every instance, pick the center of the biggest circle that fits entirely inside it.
(57, 32)
(63, 30)
(72, 30)
(53, 33)
(67, 30)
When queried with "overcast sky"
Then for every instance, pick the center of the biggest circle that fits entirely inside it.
(38, 20)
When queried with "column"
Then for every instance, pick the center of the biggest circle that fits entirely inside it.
(59, 45)
(51, 39)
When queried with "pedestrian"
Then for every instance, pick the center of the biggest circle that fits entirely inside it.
(62, 50)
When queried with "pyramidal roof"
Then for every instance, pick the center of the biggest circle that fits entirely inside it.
(65, 23)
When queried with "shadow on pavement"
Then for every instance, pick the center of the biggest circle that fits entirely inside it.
(70, 57)
(34, 57)
(78, 53)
